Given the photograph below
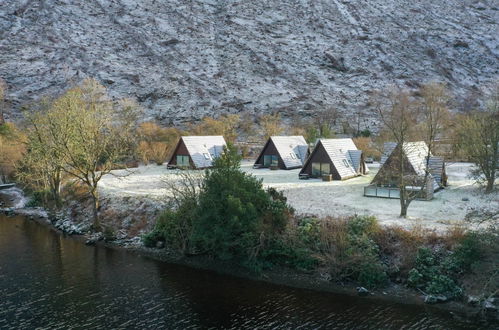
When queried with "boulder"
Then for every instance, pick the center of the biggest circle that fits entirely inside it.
(435, 299)
(362, 292)
(472, 300)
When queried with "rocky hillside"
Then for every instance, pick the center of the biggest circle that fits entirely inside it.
(184, 59)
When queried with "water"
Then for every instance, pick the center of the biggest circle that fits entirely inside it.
(49, 281)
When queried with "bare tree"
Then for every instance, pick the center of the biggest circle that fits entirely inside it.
(271, 125)
(478, 135)
(400, 115)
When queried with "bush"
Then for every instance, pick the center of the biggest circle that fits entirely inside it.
(39, 198)
(431, 274)
(236, 217)
(348, 251)
(174, 227)
(363, 225)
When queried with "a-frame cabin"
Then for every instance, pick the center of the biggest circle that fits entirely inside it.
(196, 152)
(337, 157)
(283, 152)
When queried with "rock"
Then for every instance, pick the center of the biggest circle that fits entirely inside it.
(465, 199)
(326, 276)
(435, 299)
(160, 244)
(361, 291)
(472, 300)
(489, 305)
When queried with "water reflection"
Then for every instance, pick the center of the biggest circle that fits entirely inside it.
(50, 281)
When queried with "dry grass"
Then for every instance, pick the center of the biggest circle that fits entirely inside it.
(401, 245)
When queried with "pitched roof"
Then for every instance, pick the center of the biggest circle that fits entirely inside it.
(387, 151)
(338, 151)
(292, 149)
(344, 155)
(437, 168)
(203, 149)
(416, 153)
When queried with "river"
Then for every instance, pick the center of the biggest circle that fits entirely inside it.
(51, 281)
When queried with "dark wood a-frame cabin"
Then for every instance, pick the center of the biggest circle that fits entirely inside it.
(337, 157)
(416, 167)
(196, 152)
(283, 152)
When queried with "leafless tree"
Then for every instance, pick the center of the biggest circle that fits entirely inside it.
(478, 135)
(400, 113)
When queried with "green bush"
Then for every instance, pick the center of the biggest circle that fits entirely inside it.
(347, 249)
(174, 227)
(236, 215)
(363, 225)
(39, 198)
(431, 274)
(287, 251)
(469, 251)
(372, 274)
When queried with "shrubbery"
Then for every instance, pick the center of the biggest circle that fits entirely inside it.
(231, 217)
(349, 252)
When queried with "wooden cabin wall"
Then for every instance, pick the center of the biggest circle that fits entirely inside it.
(319, 155)
(270, 150)
(180, 150)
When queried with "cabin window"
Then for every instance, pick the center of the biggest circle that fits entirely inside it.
(320, 169)
(183, 161)
(346, 163)
(293, 155)
(207, 156)
(270, 160)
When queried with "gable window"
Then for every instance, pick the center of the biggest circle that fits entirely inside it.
(320, 169)
(293, 155)
(207, 156)
(346, 163)
(270, 160)
(183, 161)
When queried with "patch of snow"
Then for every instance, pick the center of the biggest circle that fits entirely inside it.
(334, 198)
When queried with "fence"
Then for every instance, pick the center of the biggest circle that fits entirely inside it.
(383, 192)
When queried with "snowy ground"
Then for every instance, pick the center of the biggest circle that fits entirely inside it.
(336, 198)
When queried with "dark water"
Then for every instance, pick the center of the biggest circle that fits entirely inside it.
(49, 281)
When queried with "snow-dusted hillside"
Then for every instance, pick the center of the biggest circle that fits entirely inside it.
(183, 59)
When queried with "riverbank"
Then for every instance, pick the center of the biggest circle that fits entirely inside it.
(313, 280)
(55, 281)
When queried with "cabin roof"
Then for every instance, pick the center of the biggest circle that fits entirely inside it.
(387, 151)
(416, 153)
(344, 155)
(292, 149)
(203, 149)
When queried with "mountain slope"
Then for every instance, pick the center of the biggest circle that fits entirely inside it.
(184, 59)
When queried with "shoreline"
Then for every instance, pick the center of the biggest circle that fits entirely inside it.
(281, 276)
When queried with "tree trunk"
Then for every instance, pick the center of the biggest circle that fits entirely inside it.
(490, 184)
(95, 200)
(404, 205)
(56, 190)
(403, 208)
